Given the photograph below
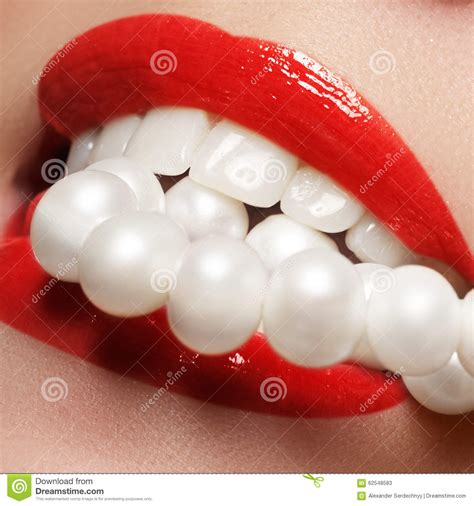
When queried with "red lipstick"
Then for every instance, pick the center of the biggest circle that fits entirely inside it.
(285, 96)
(252, 378)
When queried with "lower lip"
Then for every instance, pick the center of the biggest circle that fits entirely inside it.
(253, 378)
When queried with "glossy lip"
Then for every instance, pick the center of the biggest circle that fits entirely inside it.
(265, 87)
(131, 65)
(252, 378)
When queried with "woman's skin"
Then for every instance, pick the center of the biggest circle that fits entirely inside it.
(99, 426)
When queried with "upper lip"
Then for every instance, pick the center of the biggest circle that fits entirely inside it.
(283, 94)
(290, 99)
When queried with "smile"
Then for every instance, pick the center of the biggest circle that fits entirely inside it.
(276, 171)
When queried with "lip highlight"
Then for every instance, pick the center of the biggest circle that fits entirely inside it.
(134, 64)
(285, 96)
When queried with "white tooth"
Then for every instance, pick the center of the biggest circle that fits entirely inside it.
(114, 137)
(202, 211)
(216, 305)
(69, 211)
(80, 150)
(129, 263)
(315, 200)
(167, 138)
(466, 347)
(375, 277)
(449, 391)
(413, 323)
(372, 242)
(278, 237)
(314, 310)
(144, 184)
(243, 165)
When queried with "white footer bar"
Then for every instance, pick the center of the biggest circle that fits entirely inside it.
(238, 489)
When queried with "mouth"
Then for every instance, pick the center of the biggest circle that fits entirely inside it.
(258, 124)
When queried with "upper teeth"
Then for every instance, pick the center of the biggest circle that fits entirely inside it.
(278, 237)
(145, 186)
(80, 150)
(202, 211)
(167, 139)
(243, 165)
(372, 242)
(114, 138)
(314, 199)
(317, 308)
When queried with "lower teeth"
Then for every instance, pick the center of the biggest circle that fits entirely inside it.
(316, 307)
